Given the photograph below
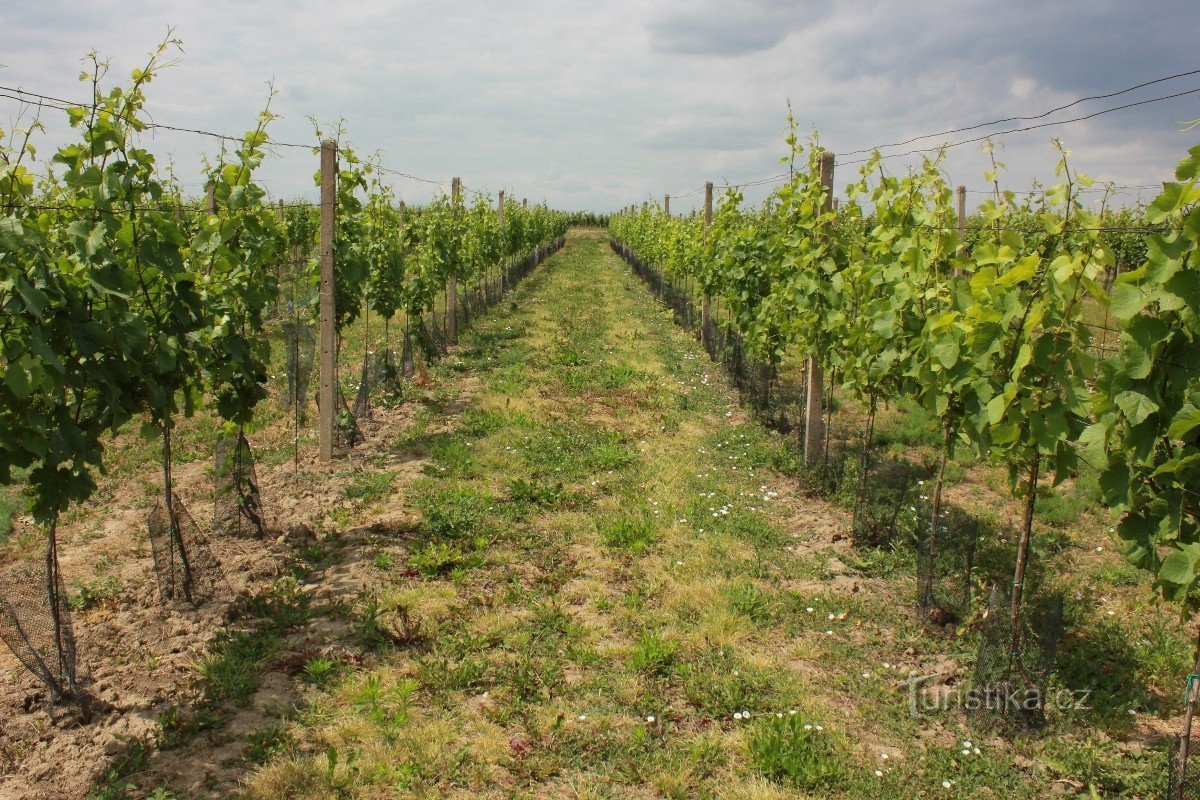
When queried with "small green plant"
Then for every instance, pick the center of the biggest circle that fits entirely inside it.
(321, 671)
(101, 591)
(629, 532)
(383, 561)
(787, 749)
(368, 623)
(370, 486)
(653, 656)
(385, 705)
(453, 513)
(262, 745)
(434, 559)
(130, 762)
(452, 458)
(750, 601)
(174, 728)
(232, 668)
(284, 603)
(536, 493)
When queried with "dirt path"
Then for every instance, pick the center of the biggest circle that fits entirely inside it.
(570, 566)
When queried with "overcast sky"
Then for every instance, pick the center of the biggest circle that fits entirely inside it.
(597, 105)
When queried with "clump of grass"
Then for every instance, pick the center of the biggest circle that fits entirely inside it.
(799, 753)
(231, 670)
(458, 512)
(750, 601)
(101, 591)
(262, 745)
(452, 458)
(631, 532)
(653, 656)
(370, 486)
(284, 603)
(321, 671)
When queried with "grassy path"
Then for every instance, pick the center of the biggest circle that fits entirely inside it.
(615, 590)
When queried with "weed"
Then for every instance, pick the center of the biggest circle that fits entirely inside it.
(434, 559)
(262, 745)
(231, 670)
(321, 671)
(98, 592)
(629, 532)
(284, 603)
(751, 602)
(451, 458)
(453, 513)
(370, 486)
(787, 749)
(653, 656)
(384, 705)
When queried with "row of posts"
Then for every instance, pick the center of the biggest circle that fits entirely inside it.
(327, 389)
(814, 426)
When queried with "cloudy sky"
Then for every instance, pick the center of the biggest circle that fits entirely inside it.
(597, 105)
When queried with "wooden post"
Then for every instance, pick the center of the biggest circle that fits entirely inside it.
(667, 204)
(326, 396)
(705, 309)
(452, 284)
(814, 422)
(961, 193)
(504, 261)
(1185, 739)
(210, 198)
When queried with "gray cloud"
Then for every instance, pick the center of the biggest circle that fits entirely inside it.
(726, 29)
(599, 105)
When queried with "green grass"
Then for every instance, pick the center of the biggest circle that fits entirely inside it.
(622, 586)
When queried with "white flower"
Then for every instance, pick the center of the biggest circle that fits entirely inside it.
(966, 744)
(650, 718)
(946, 784)
(884, 756)
(737, 715)
(582, 717)
(809, 609)
(878, 773)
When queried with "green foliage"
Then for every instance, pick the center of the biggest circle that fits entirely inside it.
(653, 656)
(370, 486)
(232, 668)
(458, 512)
(631, 532)
(103, 590)
(787, 749)
(1148, 396)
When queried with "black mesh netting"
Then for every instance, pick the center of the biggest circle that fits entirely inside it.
(1183, 779)
(366, 381)
(237, 504)
(187, 572)
(778, 402)
(885, 492)
(431, 337)
(300, 347)
(36, 625)
(945, 576)
(346, 432)
(1014, 680)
